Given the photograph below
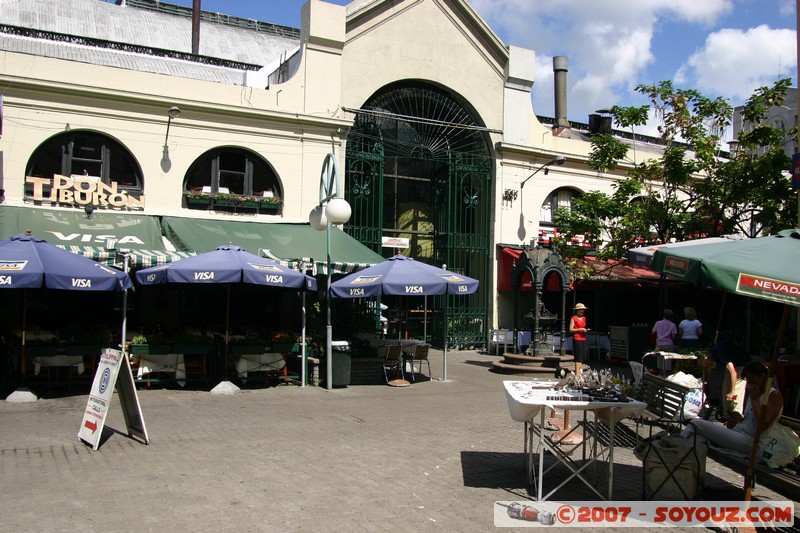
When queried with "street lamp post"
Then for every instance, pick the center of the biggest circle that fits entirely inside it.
(557, 160)
(332, 209)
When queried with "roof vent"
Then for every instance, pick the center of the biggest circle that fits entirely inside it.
(599, 124)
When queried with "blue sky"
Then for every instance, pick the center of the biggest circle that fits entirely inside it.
(722, 48)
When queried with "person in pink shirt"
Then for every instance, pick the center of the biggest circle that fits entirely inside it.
(665, 332)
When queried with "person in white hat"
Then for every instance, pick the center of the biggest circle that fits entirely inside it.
(577, 326)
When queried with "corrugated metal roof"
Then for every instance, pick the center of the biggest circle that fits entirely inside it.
(121, 59)
(99, 20)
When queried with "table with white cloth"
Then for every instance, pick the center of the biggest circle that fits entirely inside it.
(171, 363)
(528, 403)
(269, 362)
(664, 360)
(57, 360)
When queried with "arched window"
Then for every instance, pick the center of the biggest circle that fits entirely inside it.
(231, 174)
(85, 154)
(559, 198)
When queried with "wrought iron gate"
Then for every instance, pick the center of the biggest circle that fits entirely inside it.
(418, 166)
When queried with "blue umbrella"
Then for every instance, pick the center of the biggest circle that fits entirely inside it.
(403, 276)
(227, 264)
(27, 262)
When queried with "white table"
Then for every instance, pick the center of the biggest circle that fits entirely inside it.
(171, 363)
(527, 401)
(663, 357)
(57, 360)
(259, 362)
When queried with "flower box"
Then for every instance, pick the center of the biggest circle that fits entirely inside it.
(198, 200)
(151, 349)
(243, 349)
(192, 348)
(269, 207)
(92, 350)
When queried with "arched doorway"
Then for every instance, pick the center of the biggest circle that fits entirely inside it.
(419, 168)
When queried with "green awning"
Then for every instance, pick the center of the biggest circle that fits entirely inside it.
(92, 236)
(281, 242)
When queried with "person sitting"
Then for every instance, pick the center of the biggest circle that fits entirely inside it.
(741, 429)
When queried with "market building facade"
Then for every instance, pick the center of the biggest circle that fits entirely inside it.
(117, 133)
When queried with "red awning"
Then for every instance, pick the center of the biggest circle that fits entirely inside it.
(508, 260)
(617, 270)
(612, 270)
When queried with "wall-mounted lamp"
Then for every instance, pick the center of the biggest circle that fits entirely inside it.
(557, 160)
(509, 195)
(173, 113)
(88, 209)
(733, 146)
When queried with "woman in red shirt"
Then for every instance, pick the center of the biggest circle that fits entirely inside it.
(577, 326)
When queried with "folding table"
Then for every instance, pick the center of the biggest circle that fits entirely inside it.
(527, 401)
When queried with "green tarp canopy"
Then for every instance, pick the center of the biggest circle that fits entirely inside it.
(764, 267)
(285, 243)
(92, 236)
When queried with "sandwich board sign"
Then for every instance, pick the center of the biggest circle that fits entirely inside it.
(113, 371)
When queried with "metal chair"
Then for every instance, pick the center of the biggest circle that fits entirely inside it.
(393, 361)
(419, 356)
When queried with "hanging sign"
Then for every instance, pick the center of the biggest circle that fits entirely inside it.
(395, 242)
(113, 371)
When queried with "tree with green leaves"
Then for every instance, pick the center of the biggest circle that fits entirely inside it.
(694, 188)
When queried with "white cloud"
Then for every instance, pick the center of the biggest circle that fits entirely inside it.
(734, 62)
(608, 42)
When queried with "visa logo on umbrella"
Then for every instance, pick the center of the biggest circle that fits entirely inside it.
(271, 268)
(203, 275)
(5, 280)
(272, 278)
(414, 289)
(82, 283)
(13, 265)
(365, 279)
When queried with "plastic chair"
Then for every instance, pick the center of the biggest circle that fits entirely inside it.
(638, 370)
(419, 356)
(393, 361)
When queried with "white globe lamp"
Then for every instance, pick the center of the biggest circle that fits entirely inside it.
(338, 211)
(317, 218)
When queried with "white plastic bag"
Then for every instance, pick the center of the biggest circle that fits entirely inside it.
(779, 447)
(694, 404)
(695, 399)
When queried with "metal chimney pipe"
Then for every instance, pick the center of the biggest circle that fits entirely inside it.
(196, 27)
(560, 67)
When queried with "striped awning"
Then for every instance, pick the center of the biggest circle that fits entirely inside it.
(138, 258)
(282, 242)
(318, 267)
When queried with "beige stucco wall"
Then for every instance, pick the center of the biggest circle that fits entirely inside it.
(424, 40)
(348, 54)
(46, 96)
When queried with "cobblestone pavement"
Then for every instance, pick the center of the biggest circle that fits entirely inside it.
(433, 456)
